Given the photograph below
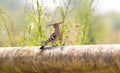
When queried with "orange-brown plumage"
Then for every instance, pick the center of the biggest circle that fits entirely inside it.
(56, 35)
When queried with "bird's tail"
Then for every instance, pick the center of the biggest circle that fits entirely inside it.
(52, 37)
(42, 47)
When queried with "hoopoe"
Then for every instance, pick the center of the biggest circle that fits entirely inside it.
(56, 35)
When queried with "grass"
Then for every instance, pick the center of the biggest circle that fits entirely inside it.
(79, 26)
(3, 14)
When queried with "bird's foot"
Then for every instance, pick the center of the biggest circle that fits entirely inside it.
(54, 44)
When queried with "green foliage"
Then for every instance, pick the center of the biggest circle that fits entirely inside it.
(80, 24)
(35, 33)
(89, 27)
(3, 15)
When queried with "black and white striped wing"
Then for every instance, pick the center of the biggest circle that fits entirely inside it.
(51, 38)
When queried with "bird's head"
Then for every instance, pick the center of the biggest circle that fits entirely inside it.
(55, 24)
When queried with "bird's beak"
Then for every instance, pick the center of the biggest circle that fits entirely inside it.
(55, 23)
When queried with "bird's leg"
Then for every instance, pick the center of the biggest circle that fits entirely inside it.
(54, 44)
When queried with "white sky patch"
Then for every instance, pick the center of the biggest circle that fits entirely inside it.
(103, 6)
(49, 3)
(106, 6)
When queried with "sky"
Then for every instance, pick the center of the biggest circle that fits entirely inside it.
(106, 6)
(103, 6)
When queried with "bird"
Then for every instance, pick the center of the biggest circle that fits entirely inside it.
(56, 35)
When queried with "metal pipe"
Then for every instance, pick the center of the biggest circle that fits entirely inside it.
(61, 59)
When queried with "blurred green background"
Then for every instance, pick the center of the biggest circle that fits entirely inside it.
(24, 22)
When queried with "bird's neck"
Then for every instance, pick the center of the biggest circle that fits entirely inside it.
(57, 29)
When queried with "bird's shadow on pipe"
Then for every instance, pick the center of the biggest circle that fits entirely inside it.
(53, 47)
(49, 48)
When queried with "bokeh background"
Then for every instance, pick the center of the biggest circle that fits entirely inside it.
(24, 22)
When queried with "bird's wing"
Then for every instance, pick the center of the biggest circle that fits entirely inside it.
(52, 36)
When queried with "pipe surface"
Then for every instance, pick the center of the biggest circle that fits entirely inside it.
(61, 59)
